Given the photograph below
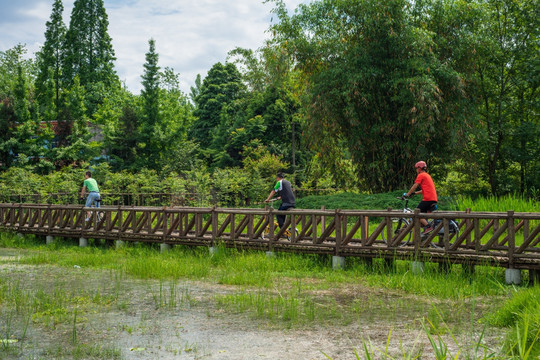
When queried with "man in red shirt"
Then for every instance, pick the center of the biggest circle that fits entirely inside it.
(427, 189)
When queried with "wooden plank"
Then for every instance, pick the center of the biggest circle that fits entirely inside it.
(529, 240)
(224, 226)
(464, 236)
(349, 236)
(371, 239)
(189, 226)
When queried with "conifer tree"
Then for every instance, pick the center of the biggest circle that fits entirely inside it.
(89, 52)
(77, 147)
(150, 129)
(51, 58)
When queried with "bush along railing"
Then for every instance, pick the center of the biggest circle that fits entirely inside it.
(145, 198)
(510, 240)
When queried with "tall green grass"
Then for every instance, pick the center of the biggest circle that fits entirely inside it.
(255, 269)
(499, 204)
(355, 201)
(521, 313)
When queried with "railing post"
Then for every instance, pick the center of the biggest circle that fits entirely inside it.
(338, 231)
(215, 225)
(21, 217)
(511, 238)
(512, 275)
(338, 262)
(232, 226)
(417, 238)
(164, 227)
(477, 237)
(271, 227)
(49, 217)
(417, 266)
(467, 225)
(323, 220)
(389, 232)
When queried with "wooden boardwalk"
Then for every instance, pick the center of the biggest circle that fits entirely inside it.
(510, 240)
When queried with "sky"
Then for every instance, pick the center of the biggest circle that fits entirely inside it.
(190, 36)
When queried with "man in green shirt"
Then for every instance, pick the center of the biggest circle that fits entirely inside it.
(284, 189)
(91, 185)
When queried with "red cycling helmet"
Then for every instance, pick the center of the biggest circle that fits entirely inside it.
(421, 165)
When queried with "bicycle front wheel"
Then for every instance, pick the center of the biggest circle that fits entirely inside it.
(398, 226)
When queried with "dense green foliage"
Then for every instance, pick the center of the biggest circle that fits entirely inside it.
(344, 94)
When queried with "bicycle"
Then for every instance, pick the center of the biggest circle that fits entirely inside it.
(403, 223)
(287, 232)
(400, 224)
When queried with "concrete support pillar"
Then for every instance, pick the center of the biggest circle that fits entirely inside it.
(83, 242)
(417, 267)
(270, 254)
(338, 262)
(119, 244)
(49, 239)
(164, 247)
(512, 276)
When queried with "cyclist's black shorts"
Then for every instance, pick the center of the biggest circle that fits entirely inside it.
(426, 206)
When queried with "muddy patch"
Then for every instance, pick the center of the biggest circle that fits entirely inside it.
(67, 313)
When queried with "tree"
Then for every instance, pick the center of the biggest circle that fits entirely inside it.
(195, 90)
(508, 79)
(18, 119)
(51, 59)
(150, 125)
(77, 148)
(374, 84)
(89, 53)
(220, 88)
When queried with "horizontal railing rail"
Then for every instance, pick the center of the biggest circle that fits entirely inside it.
(184, 198)
(506, 239)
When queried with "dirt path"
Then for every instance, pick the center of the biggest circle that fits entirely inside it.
(139, 322)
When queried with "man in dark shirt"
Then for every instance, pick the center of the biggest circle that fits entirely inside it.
(284, 190)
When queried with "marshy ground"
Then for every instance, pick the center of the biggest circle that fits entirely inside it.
(78, 312)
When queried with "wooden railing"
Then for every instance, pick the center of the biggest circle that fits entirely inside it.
(508, 239)
(142, 199)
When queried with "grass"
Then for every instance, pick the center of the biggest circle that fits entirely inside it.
(521, 313)
(255, 269)
(56, 304)
(287, 290)
(499, 204)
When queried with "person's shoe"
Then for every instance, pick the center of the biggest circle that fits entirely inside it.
(427, 229)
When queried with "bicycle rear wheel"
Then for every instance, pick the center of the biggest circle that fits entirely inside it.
(399, 225)
(453, 232)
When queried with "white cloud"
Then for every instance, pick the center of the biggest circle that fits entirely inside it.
(190, 36)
